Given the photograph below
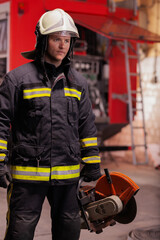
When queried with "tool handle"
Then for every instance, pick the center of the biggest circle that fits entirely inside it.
(108, 176)
(84, 215)
(110, 181)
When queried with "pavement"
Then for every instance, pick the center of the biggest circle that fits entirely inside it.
(147, 199)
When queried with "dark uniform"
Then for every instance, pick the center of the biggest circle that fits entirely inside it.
(52, 132)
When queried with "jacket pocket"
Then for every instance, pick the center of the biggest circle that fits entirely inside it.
(22, 154)
(75, 151)
(35, 108)
(72, 111)
(33, 113)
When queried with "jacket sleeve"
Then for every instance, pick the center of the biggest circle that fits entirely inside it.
(6, 115)
(87, 130)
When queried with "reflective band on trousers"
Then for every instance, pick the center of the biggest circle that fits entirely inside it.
(37, 92)
(88, 142)
(70, 92)
(3, 144)
(2, 157)
(91, 159)
(43, 174)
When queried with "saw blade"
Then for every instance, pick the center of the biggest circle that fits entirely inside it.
(129, 212)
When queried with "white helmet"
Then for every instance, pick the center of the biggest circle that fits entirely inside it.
(55, 21)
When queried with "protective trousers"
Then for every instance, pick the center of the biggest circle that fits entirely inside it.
(25, 204)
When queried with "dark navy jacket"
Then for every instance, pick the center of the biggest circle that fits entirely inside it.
(52, 127)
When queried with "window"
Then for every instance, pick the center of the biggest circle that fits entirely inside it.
(3, 36)
(3, 48)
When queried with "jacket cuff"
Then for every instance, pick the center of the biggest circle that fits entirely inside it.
(91, 159)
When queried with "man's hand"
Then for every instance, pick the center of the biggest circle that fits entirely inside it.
(91, 172)
(4, 176)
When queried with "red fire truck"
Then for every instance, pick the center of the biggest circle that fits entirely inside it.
(109, 36)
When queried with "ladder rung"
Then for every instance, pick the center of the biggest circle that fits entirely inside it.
(137, 109)
(133, 56)
(138, 127)
(134, 74)
(140, 145)
(136, 91)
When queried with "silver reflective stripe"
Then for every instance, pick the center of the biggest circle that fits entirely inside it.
(69, 172)
(30, 173)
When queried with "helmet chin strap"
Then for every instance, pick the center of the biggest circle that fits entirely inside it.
(70, 51)
(41, 48)
(43, 58)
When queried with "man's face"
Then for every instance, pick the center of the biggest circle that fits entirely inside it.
(58, 47)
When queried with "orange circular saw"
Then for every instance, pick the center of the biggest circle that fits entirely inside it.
(111, 200)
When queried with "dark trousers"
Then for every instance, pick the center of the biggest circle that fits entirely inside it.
(25, 205)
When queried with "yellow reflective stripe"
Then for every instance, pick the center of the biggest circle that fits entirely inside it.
(30, 169)
(33, 178)
(2, 147)
(65, 172)
(3, 144)
(36, 92)
(68, 176)
(88, 142)
(2, 157)
(91, 159)
(3, 141)
(72, 93)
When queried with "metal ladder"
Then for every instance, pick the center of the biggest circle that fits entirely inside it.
(131, 99)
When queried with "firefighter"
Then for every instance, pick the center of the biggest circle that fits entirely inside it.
(46, 104)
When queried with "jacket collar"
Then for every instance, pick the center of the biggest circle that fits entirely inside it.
(51, 70)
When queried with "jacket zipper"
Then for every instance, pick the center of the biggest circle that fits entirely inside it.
(53, 85)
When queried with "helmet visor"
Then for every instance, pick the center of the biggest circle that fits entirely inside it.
(66, 34)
